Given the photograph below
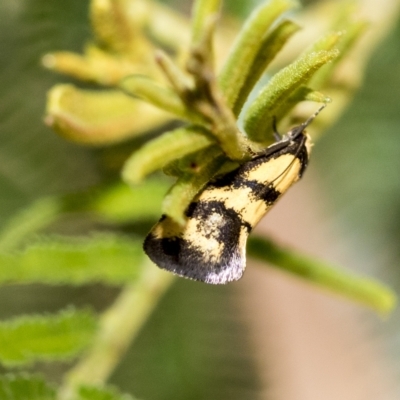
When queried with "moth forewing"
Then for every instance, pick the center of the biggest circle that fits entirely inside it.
(211, 247)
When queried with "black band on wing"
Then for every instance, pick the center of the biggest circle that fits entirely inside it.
(187, 259)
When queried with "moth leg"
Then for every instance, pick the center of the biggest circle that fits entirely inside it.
(277, 135)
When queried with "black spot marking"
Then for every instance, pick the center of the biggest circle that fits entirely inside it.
(171, 246)
(190, 210)
(228, 179)
(185, 258)
(227, 233)
(303, 158)
(248, 226)
(265, 192)
(268, 194)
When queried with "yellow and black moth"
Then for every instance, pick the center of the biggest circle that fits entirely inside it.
(211, 247)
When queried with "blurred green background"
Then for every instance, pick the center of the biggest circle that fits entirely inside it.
(189, 348)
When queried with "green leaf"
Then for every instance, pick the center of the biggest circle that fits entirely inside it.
(205, 165)
(162, 150)
(270, 46)
(244, 51)
(259, 116)
(155, 94)
(121, 203)
(101, 258)
(25, 387)
(98, 118)
(346, 41)
(366, 291)
(105, 393)
(178, 79)
(202, 10)
(28, 221)
(46, 337)
(303, 93)
(327, 42)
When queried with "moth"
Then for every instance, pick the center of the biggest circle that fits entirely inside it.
(211, 247)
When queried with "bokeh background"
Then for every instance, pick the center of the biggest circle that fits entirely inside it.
(268, 336)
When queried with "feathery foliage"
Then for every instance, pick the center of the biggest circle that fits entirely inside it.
(25, 387)
(46, 337)
(107, 258)
(94, 393)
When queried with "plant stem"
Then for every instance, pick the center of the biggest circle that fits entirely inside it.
(365, 291)
(119, 325)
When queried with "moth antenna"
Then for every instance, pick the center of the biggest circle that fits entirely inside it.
(311, 119)
(299, 129)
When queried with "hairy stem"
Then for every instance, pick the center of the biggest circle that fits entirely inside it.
(119, 325)
(365, 291)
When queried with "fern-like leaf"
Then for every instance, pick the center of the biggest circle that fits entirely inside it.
(102, 258)
(107, 393)
(46, 337)
(25, 387)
